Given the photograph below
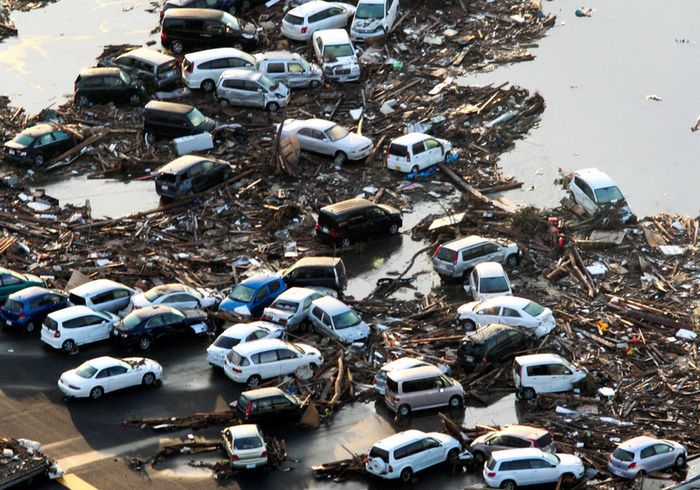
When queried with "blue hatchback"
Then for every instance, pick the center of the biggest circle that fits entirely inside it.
(26, 309)
(252, 296)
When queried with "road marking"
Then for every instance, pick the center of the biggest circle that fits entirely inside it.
(89, 457)
(73, 482)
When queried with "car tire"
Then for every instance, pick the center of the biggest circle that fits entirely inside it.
(509, 485)
(640, 474)
(512, 260)
(415, 171)
(151, 138)
(149, 379)
(455, 402)
(208, 85)
(30, 328)
(345, 242)
(529, 393)
(254, 381)
(479, 458)
(83, 101)
(313, 366)
(403, 411)
(135, 99)
(144, 343)
(468, 325)
(272, 107)
(177, 47)
(680, 461)
(314, 84)
(39, 160)
(341, 158)
(406, 475)
(96, 393)
(68, 346)
(452, 456)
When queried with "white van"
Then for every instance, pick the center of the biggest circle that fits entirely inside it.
(102, 295)
(414, 152)
(76, 325)
(488, 280)
(544, 373)
(373, 19)
(336, 54)
(201, 70)
(514, 468)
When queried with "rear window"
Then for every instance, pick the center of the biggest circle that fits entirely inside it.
(533, 309)
(398, 150)
(446, 254)
(236, 359)
(491, 464)
(493, 285)
(226, 342)
(382, 454)
(23, 139)
(326, 220)
(294, 19)
(76, 300)
(608, 194)
(392, 385)
(247, 443)
(50, 323)
(243, 401)
(623, 455)
(166, 67)
(168, 179)
(283, 304)
(346, 320)
(544, 440)
(13, 305)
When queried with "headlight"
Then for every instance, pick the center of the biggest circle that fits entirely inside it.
(23, 154)
(281, 96)
(248, 35)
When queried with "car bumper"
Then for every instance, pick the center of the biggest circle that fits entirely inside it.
(70, 392)
(296, 36)
(360, 154)
(444, 270)
(48, 338)
(404, 167)
(117, 339)
(16, 159)
(364, 36)
(391, 404)
(386, 475)
(621, 472)
(233, 375)
(216, 358)
(10, 323)
(342, 78)
(249, 464)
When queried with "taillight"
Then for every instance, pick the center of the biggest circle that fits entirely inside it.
(491, 474)
(304, 29)
(318, 227)
(163, 35)
(247, 410)
(455, 257)
(335, 234)
(236, 370)
(397, 399)
(263, 454)
(21, 315)
(632, 466)
(437, 250)
(534, 442)
(57, 333)
(235, 458)
(283, 321)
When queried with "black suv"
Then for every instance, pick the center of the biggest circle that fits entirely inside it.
(327, 272)
(231, 6)
(493, 343)
(190, 173)
(158, 71)
(356, 219)
(171, 120)
(188, 29)
(97, 85)
(38, 144)
(268, 405)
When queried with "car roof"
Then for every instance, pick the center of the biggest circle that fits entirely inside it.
(331, 305)
(159, 105)
(596, 178)
(174, 287)
(296, 294)
(181, 164)
(314, 122)
(241, 74)
(259, 280)
(636, 442)
(149, 55)
(463, 242)
(531, 359)
(244, 430)
(389, 443)
(509, 454)
(259, 345)
(100, 71)
(198, 13)
(96, 286)
(262, 393)
(239, 330)
(30, 292)
(316, 261)
(279, 55)
(38, 130)
(490, 269)
(103, 362)
(523, 430)
(346, 206)
(415, 373)
(310, 8)
(149, 311)
(71, 312)
(216, 52)
(404, 363)
(486, 332)
(508, 301)
(410, 138)
(333, 36)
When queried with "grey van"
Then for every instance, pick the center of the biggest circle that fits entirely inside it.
(245, 88)
(419, 388)
(190, 173)
(157, 70)
(289, 68)
(171, 120)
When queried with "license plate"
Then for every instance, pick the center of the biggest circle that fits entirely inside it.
(325, 230)
(469, 358)
(250, 466)
(11, 152)
(166, 187)
(8, 322)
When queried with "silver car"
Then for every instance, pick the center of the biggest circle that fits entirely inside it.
(245, 88)
(457, 257)
(327, 138)
(290, 69)
(642, 455)
(510, 437)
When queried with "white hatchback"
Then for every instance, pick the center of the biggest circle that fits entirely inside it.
(77, 325)
(245, 446)
(507, 310)
(513, 468)
(201, 70)
(301, 22)
(176, 295)
(594, 189)
(240, 333)
(102, 295)
(488, 280)
(291, 308)
(414, 152)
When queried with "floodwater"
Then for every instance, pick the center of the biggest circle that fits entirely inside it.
(595, 74)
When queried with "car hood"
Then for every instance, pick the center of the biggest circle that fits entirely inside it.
(569, 460)
(370, 24)
(142, 361)
(140, 301)
(234, 306)
(309, 350)
(352, 334)
(467, 308)
(277, 313)
(390, 209)
(194, 315)
(354, 141)
(15, 145)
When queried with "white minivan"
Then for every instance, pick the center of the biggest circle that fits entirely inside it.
(373, 19)
(414, 152)
(201, 70)
(77, 325)
(102, 295)
(336, 54)
(488, 280)
(513, 468)
(544, 373)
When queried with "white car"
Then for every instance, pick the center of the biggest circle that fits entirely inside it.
(77, 325)
(102, 295)
(252, 362)
(592, 189)
(414, 152)
(373, 19)
(507, 310)
(544, 373)
(176, 295)
(335, 319)
(327, 138)
(301, 22)
(336, 54)
(105, 374)
(291, 308)
(201, 70)
(240, 333)
(512, 468)
(408, 452)
(245, 446)
(488, 280)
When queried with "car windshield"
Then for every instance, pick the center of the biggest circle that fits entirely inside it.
(247, 443)
(241, 293)
(126, 78)
(196, 117)
(346, 320)
(305, 64)
(296, 348)
(623, 455)
(86, 370)
(370, 11)
(336, 132)
(226, 342)
(284, 305)
(493, 285)
(23, 139)
(268, 84)
(337, 50)
(533, 309)
(550, 458)
(608, 194)
(13, 305)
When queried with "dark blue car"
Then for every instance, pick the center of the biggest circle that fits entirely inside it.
(252, 296)
(26, 309)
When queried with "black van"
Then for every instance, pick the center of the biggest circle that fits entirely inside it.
(494, 343)
(190, 173)
(97, 85)
(267, 405)
(191, 29)
(327, 272)
(157, 70)
(171, 120)
(355, 219)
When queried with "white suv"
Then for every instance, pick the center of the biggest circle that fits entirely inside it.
(456, 257)
(406, 453)
(373, 19)
(512, 468)
(594, 189)
(268, 358)
(77, 325)
(336, 54)
(201, 70)
(414, 152)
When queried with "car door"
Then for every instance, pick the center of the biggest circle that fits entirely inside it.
(416, 457)
(433, 393)
(494, 252)
(213, 34)
(269, 365)
(419, 155)
(121, 299)
(583, 195)
(511, 316)
(296, 75)
(276, 71)
(174, 325)
(104, 379)
(64, 142)
(316, 141)
(155, 327)
(284, 408)
(255, 93)
(490, 314)
(665, 456)
(378, 221)
(434, 152)
(182, 301)
(541, 471)
(336, 17)
(288, 361)
(96, 327)
(45, 145)
(327, 325)
(120, 377)
(258, 302)
(560, 377)
(318, 21)
(79, 329)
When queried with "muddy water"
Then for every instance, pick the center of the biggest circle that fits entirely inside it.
(595, 75)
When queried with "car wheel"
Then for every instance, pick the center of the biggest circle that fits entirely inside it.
(479, 458)
(509, 485)
(96, 393)
(529, 393)
(148, 379)
(313, 366)
(254, 381)
(83, 100)
(406, 475)
(30, 328)
(208, 86)
(452, 456)
(341, 158)
(680, 461)
(393, 229)
(455, 402)
(68, 346)
(345, 242)
(314, 84)
(415, 171)
(177, 47)
(469, 325)
(135, 99)
(39, 160)
(404, 411)
(151, 138)
(144, 343)
(272, 107)
(512, 260)
(641, 473)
